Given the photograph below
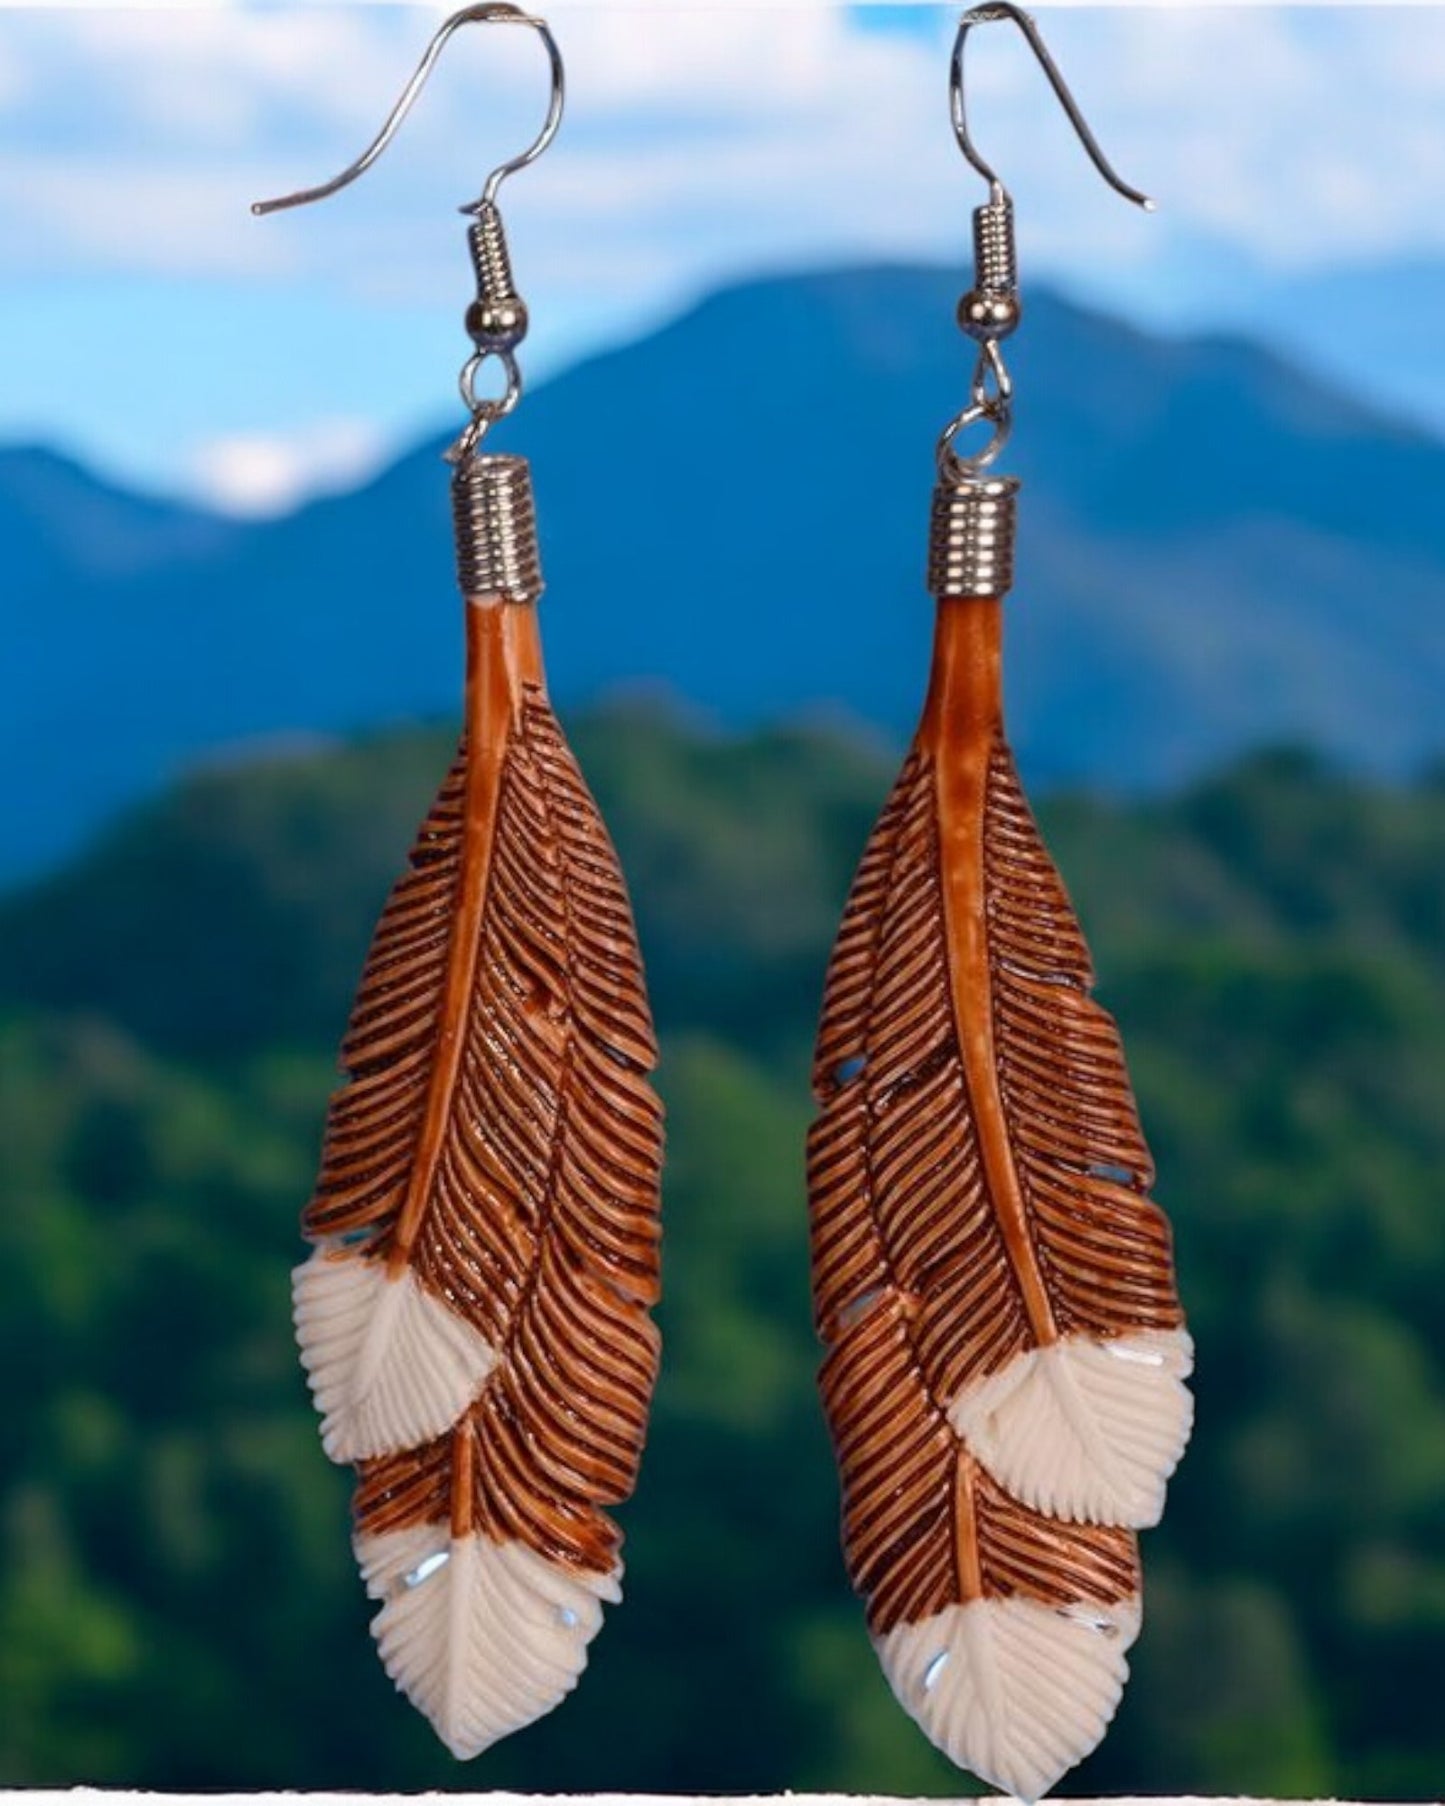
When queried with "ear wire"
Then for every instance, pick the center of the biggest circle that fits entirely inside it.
(497, 320)
(971, 537)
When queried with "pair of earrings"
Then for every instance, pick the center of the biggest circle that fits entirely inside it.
(1005, 1365)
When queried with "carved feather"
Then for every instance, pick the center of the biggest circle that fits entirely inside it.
(979, 1145)
(978, 1184)
(1002, 1632)
(473, 1319)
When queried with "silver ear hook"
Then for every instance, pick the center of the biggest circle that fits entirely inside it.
(497, 320)
(991, 309)
(1005, 11)
(493, 13)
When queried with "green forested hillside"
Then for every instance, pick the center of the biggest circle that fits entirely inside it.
(177, 1601)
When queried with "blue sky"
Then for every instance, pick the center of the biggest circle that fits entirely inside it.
(149, 323)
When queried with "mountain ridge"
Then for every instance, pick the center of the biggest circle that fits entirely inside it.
(737, 505)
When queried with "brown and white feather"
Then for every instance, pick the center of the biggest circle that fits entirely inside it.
(474, 1319)
(1006, 1355)
(1003, 1632)
(979, 1144)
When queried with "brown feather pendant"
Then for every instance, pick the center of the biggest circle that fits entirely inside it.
(1006, 1351)
(474, 1318)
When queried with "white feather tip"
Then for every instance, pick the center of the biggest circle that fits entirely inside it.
(390, 1366)
(482, 1637)
(1014, 1690)
(1083, 1429)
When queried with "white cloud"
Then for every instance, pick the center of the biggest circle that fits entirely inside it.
(702, 140)
(699, 135)
(257, 474)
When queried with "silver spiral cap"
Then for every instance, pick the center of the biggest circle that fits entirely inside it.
(971, 542)
(496, 528)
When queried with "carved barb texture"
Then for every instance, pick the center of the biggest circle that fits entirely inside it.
(925, 1526)
(474, 1319)
(1004, 1380)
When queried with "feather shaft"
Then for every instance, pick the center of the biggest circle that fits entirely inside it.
(503, 654)
(962, 720)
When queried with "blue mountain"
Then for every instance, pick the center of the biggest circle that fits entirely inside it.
(1216, 551)
(1403, 302)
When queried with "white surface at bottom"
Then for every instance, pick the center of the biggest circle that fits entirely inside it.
(81, 1796)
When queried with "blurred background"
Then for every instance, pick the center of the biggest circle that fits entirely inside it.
(231, 664)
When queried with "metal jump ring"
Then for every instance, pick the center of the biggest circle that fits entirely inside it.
(468, 441)
(991, 380)
(951, 465)
(490, 407)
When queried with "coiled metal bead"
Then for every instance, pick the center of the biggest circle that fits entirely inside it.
(971, 541)
(991, 308)
(996, 269)
(495, 518)
(497, 319)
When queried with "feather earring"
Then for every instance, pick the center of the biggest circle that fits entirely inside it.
(1006, 1353)
(473, 1319)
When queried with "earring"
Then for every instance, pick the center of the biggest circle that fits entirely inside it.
(1006, 1355)
(473, 1318)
